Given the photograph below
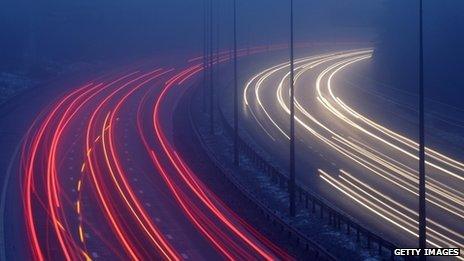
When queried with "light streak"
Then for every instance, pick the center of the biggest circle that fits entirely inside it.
(99, 106)
(389, 168)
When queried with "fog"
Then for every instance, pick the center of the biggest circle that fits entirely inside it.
(40, 37)
(75, 74)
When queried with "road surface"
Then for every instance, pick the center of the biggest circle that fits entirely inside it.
(100, 178)
(365, 167)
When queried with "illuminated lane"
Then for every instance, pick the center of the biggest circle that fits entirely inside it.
(371, 165)
(101, 178)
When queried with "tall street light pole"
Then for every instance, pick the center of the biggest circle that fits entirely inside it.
(218, 40)
(205, 51)
(422, 202)
(217, 60)
(211, 87)
(291, 184)
(236, 151)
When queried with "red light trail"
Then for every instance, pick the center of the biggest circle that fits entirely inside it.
(68, 219)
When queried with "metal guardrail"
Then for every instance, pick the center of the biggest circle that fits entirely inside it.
(336, 217)
(315, 251)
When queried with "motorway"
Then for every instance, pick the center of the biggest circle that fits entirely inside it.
(100, 178)
(362, 165)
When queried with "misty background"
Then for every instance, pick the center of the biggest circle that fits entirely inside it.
(42, 39)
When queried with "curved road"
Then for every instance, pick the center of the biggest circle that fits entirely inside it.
(100, 178)
(364, 167)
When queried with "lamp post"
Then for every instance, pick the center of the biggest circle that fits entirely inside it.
(236, 151)
(205, 51)
(211, 87)
(291, 185)
(422, 188)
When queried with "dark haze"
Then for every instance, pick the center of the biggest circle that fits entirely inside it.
(38, 38)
